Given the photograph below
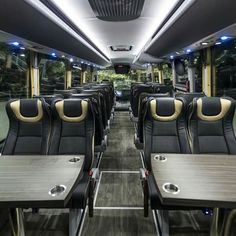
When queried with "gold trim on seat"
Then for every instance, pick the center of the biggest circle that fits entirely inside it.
(178, 108)
(15, 106)
(225, 105)
(60, 110)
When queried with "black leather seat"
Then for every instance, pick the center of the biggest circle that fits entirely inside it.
(99, 129)
(210, 125)
(137, 91)
(73, 133)
(165, 122)
(165, 131)
(143, 100)
(29, 129)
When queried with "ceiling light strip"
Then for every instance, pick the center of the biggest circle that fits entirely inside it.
(180, 11)
(51, 5)
(51, 15)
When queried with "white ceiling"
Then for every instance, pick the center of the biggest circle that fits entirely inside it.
(104, 34)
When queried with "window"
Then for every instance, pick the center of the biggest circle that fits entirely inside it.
(76, 76)
(167, 74)
(13, 79)
(225, 66)
(197, 65)
(52, 75)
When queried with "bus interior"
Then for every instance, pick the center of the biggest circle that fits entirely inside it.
(138, 96)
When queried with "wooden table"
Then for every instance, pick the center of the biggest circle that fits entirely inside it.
(201, 180)
(27, 181)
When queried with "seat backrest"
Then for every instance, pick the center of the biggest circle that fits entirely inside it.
(95, 101)
(137, 90)
(49, 98)
(165, 129)
(73, 129)
(29, 130)
(102, 95)
(189, 96)
(78, 89)
(144, 98)
(65, 93)
(107, 94)
(162, 88)
(210, 125)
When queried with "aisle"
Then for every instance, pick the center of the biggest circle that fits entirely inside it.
(118, 200)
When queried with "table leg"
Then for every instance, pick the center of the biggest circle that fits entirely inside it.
(163, 218)
(228, 223)
(16, 217)
(218, 222)
(75, 216)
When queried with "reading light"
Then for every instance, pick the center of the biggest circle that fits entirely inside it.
(204, 43)
(71, 59)
(223, 38)
(171, 56)
(217, 43)
(188, 50)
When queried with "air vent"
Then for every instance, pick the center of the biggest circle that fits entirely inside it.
(121, 48)
(117, 10)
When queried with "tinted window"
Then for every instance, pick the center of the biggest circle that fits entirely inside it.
(13, 79)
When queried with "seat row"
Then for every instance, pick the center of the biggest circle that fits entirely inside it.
(144, 98)
(170, 125)
(101, 97)
(138, 89)
(66, 127)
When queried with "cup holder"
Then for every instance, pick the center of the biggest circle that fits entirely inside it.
(171, 188)
(57, 190)
(74, 160)
(160, 158)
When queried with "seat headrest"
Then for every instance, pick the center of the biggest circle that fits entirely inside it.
(72, 110)
(212, 108)
(165, 109)
(27, 110)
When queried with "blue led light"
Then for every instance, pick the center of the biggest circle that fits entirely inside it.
(188, 50)
(15, 43)
(171, 57)
(223, 38)
(53, 54)
(71, 59)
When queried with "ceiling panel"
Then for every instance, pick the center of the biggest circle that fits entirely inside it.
(135, 33)
(202, 19)
(21, 19)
